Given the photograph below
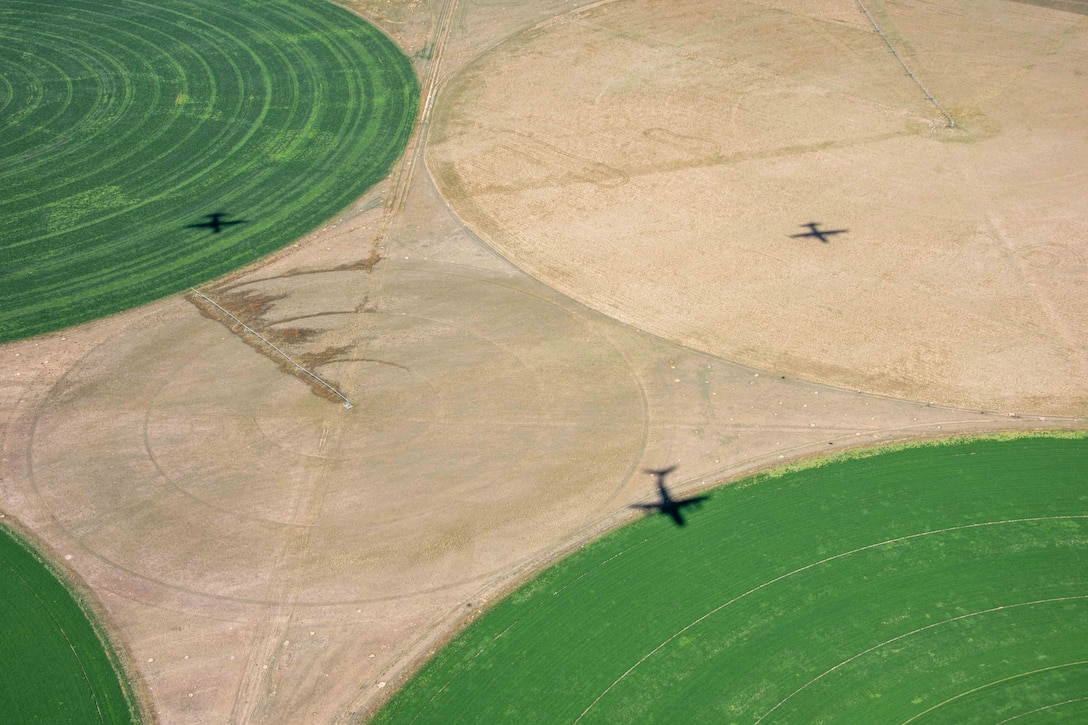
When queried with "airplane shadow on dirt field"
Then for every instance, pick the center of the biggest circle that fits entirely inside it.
(669, 506)
(821, 234)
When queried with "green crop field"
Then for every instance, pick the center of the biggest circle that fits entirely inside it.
(123, 123)
(932, 584)
(53, 666)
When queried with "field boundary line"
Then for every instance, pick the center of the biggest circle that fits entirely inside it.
(939, 107)
(518, 621)
(262, 338)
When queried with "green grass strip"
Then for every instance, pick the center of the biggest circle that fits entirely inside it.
(54, 665)
(932, 583)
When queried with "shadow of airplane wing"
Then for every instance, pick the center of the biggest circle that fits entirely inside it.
(821, 234)
(672, 509)
(677, 507)
(215, 222)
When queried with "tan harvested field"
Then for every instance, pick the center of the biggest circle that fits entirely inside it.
(264, 555)
(651, 158)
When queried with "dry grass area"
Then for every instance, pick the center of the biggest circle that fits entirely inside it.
(651, 159)
(264, 555)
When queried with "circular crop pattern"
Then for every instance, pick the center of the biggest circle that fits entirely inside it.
(662, 163)
(146, 147)
(933, 584)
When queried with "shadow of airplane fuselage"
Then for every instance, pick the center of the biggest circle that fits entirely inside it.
(673, 508)
(215, 222)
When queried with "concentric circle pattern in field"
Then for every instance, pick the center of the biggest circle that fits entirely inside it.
(220, 479)
(936, 584)
(123, 124)
(654, 159)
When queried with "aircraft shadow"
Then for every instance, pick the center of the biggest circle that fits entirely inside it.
(669, 506)
(216, 222)
(821, 234)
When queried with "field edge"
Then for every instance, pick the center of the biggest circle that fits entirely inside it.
(537, 569)
(137, 696)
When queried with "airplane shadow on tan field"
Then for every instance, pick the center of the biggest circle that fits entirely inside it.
(669, 506)
(821, 234)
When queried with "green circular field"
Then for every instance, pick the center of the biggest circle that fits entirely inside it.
(933, 584)
(125, 125)
(54, 667)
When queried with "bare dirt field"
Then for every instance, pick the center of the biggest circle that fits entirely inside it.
(652, 158)
(263, 554)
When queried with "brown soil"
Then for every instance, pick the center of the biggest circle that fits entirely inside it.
(652, 159)
(266, 555)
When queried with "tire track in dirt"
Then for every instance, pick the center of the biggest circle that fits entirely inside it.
(272, 629)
